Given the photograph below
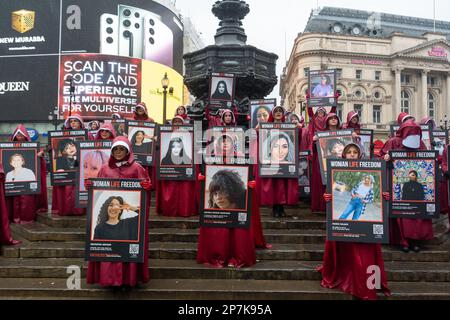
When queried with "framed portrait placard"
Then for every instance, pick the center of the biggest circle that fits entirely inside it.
(414, 184)
(64, 162)
(322, 88)
(278, 150)
(142, 137)
(221, 89)
(304, 174)
(225, 145)
(260, 111)
(226, 197)
(116, 216)
(365, 141)
(426, 134)
(440, 140)
(176, 156)
(22, 168)
(119, 126)
(330, 145)
(91, 155)
(357, 211)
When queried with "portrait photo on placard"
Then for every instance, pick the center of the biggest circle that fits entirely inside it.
(225, 143)
(91, 161)
(19, 165)
(141, 139)
(357, 196)
(64, 154)
(116, 216)
(222, 88)
(226, 188)
(278, 147)
(322, 85)
(176, 149)
(260, 112)
(303, 172)
(120, 127)
(332, 148)
(414, 180)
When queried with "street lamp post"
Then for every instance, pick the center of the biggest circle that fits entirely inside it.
(165, 84)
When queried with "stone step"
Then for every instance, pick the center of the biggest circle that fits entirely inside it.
(41, 232)
(300, 221)
(189, 269)
(188, 250)
(188, 289)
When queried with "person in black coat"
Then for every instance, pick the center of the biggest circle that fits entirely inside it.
(413, 190)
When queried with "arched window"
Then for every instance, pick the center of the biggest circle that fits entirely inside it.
(431, 105)
(405, 101)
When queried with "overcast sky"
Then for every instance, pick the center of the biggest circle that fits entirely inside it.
(271, 22)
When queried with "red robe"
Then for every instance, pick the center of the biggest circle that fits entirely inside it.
(23, 209)
(443, 190)
(402, 230)
(117, 273)
(5, 232)
(345, 267)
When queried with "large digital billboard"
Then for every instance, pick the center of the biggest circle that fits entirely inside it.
(37, 38)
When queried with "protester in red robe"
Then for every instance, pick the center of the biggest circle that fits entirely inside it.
(346, 264)
(106, 132)
(278, 192)
(330, 122)
(222, 247)
(227, 118)
(181, 112)
(408, 232)
(5, 233)
(63, 197)
(23, 209)
(121, 165)
(446, 173)
(352, 121)
(177, 198)
(402, 117)
(141, 113)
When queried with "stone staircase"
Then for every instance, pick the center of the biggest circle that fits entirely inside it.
(37, 269)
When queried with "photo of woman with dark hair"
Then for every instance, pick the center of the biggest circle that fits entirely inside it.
(335, 147)
(138, 144)
(221, 92)
(413, 189)
(19, 173)
(67, 155)
(324, 88)
(176, 153)
(110, 226)
(260, 115)
(281, 149)
(227, 191)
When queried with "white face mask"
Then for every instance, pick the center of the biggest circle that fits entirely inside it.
(412, 142)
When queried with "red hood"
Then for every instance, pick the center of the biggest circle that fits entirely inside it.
(106, 127)
(233, 122)
(272, 118)
(349, 123)
(129, 158)
(331, 115)
(301, 118)
(74, 116)
(184, 116)
(429, 120)
(402, 116)
(409, 128)
(145, 115)
(21, 128)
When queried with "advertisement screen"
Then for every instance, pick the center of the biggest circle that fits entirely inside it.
(37, 38)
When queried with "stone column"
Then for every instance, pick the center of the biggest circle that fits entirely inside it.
(445, 107)
(398, 93)
(422, 111)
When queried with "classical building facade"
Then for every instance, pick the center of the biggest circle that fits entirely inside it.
(385, 63)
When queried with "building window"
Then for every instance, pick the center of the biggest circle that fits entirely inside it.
(339, 110)
(306, 72)
(338, 73)
(377, 95)
(358, 74)
(377, 114)
(431, 105)
(359, 109)
(377, 75)
(431, 81)
(405, 101)
(406, 79)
